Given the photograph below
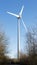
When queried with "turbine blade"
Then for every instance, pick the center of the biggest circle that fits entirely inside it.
(21, 10)
(13, 14)
(24, 25)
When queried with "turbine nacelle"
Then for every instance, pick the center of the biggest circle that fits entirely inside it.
(19, 17)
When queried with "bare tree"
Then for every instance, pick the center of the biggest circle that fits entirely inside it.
(32, 42)
(3, 44)
(32, 45)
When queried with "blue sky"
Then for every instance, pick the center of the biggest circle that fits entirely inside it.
(9, 23)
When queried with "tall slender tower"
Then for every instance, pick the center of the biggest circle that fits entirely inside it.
(18, 37)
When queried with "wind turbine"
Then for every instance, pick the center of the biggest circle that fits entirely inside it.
(19, 16)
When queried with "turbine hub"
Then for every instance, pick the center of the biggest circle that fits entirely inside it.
(19, 17)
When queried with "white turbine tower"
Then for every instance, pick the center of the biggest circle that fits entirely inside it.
(18, 26)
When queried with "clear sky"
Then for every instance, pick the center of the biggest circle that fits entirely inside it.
(9, 23)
